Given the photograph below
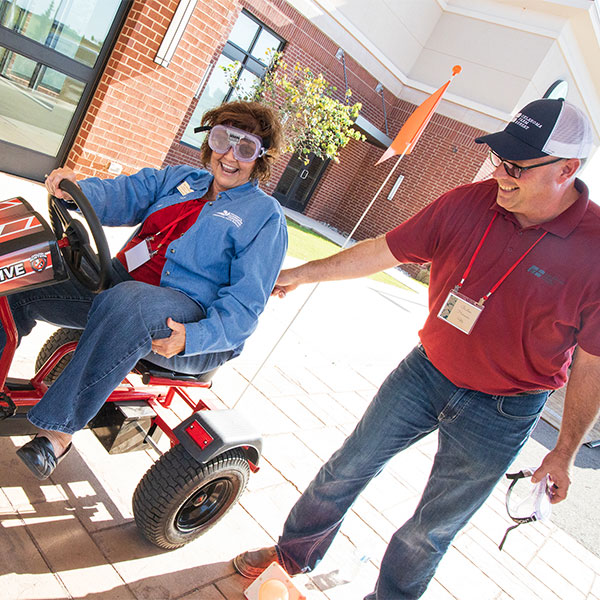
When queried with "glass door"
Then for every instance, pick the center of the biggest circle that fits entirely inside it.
(298, 181)
(52, 53)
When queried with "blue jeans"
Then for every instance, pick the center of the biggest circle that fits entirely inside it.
(479, 437)
(118, 327)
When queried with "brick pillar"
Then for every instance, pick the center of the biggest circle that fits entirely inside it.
(138, 105)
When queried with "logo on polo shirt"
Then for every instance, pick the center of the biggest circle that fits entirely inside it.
(229, 216)
(546, 277)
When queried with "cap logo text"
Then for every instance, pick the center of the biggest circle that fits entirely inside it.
(526, 122)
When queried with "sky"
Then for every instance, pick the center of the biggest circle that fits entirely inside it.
(591, 176)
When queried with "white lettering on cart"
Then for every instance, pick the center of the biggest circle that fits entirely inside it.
(12, 271)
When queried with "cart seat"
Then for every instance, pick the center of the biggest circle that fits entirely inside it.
(147, 369)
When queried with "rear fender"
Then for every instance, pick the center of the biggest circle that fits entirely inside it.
(208, 433)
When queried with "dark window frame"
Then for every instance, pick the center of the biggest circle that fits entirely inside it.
(33, 164)
(233, 52)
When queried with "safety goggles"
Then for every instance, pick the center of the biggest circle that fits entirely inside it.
(515, 170)
(527, 503)
(246, 146)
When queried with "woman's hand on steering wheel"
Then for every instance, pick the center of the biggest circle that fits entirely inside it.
(55, 178)
(90, 267)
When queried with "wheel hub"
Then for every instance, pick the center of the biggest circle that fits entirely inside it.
(202, 506)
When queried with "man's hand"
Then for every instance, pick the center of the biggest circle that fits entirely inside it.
(55, 178)
(581, 409)
(172, 345)
(362, 259)
(557, 466)
(286, 282)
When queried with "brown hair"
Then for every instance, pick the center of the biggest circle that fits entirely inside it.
(252, 117)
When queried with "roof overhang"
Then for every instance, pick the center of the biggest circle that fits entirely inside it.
(510, 50)
(374, 136)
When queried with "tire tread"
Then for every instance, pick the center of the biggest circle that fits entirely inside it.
(159, 492)
(59, 338)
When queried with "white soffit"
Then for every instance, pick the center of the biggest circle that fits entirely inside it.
(411, 45)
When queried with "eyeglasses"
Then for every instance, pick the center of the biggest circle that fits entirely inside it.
(530, 504)
(246, 146)
(515, 170)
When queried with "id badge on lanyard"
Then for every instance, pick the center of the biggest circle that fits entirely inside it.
(138, 255)
(142, 252)
(460, 311)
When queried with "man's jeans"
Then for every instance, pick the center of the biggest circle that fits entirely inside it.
(119, 325)
(479, 437)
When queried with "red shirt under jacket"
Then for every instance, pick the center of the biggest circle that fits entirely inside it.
(525, 336)
(159, 221)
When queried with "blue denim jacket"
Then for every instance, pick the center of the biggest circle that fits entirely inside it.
(228, 261)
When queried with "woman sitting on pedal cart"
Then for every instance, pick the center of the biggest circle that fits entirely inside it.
(189, 286)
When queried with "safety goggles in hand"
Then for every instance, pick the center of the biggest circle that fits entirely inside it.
(246, 146)
(527, 503)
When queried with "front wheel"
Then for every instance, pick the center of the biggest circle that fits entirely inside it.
(179, 499)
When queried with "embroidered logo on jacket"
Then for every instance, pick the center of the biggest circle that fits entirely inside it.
(229, 216)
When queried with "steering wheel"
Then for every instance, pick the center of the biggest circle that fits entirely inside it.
(90, 267)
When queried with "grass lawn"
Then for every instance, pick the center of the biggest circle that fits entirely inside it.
(308, 245)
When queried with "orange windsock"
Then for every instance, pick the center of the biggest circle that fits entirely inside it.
(414, 126)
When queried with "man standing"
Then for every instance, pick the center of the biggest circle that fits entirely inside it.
(514, 288)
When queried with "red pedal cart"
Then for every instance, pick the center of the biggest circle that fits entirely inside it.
(212, 452)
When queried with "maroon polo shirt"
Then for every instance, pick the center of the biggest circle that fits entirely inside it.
(525, 336)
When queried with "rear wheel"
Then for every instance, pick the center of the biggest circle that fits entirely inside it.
(179, 499)
(53, 343)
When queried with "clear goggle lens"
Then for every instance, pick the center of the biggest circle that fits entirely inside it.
(246, 146)
(530, 500)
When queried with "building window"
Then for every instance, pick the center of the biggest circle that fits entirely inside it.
(250, 43)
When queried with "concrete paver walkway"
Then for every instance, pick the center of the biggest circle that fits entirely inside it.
(73, 536)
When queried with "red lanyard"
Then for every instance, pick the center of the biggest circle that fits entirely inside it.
(497, 285)
(167, 232)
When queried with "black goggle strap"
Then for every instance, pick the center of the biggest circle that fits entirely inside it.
(518, 520)
(265, 144)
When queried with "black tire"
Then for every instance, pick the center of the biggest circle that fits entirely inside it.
(53, 343)
(165, 502)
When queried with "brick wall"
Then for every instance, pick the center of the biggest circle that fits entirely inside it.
(138, 106)
(311, 48)
(444, 157)
(141, 109)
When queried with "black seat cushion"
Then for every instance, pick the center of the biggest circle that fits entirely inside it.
(147, 369)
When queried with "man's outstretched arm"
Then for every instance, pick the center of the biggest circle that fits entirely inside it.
(582, 405)
(362, 259)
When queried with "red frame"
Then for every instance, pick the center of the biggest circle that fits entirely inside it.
(156, 397)
(153, 392)
(157, 392)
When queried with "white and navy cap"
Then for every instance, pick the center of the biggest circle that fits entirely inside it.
(544, 127)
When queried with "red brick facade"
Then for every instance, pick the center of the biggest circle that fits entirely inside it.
(445, 156)
(141, 109)
(138, 106)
